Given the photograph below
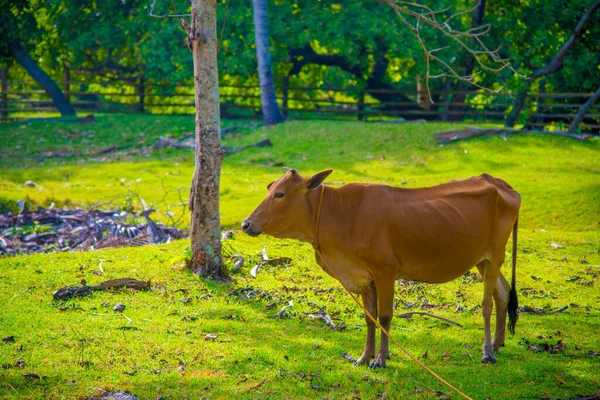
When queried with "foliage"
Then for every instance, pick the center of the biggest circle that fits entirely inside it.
(157, 347)
(120, 37)
(533, 45)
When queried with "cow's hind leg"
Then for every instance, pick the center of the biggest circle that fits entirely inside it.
(385, 299)
(490, 277)
(501, 300)
(369, 299)
(501, 303)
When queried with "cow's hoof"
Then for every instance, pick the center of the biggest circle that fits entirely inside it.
(488, 360)
(362, 361)
(378, 362)
(496, 346)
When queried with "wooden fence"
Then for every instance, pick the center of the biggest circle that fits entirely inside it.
(24, 99)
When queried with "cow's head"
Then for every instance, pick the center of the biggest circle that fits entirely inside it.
(286, 211)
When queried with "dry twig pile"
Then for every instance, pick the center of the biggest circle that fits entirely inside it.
(58, 229)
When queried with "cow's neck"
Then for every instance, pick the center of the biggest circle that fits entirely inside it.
(333, 208)
(322, 191)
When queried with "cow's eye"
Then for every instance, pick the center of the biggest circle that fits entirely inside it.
(278, 195)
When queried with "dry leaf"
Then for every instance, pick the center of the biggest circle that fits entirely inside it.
(239, 263)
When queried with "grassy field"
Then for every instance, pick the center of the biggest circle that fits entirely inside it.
(157, 347)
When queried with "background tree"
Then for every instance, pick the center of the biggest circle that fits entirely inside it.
(558, 60)
(19, 29)
(106, 39)
(270, 109)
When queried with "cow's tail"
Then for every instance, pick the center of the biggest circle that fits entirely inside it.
(513, 301)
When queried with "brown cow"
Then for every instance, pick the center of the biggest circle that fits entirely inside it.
(371, 235)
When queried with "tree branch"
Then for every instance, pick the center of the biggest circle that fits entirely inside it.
(555, 65)
(583, 110)
(306, 55)
(474, 46)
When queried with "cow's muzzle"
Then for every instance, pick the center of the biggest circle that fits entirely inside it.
(247, 227)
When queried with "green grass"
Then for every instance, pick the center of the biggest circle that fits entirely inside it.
(80, 346)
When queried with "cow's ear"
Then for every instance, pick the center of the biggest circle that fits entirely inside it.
(318, 178)
(269, 185)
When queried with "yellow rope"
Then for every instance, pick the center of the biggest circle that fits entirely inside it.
(367, 313)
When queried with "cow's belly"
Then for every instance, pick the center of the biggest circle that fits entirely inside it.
(352, 274)
(435, 274)
(440, 269)
(442, 255)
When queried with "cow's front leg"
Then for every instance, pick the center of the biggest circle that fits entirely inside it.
(385, 299)
(369, 299)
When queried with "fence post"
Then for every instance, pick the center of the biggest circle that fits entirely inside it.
(361, 105)
(541, 102)
(142, 93)
(4, 105)
(285, 89)
(446, 105)
(67, 83)
(423, 94)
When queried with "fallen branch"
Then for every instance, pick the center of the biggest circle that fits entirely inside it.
(191, 144)
(401, 121)
(470, 132)
(408, 314)
(257, 385)
(87, 118)
(81, 291)
(540, 311)
(172, 143)
(276, 261)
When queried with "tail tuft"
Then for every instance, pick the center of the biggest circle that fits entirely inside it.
(513, 309)
(513, 301)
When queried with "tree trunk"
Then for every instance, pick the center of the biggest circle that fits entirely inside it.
(583, 110)
(4, 102)
(541, 103)
(270, 109)
(20, 54)
(205, 231)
